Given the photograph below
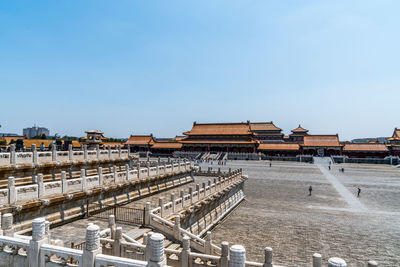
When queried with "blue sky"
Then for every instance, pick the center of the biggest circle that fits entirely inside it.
(137, 67)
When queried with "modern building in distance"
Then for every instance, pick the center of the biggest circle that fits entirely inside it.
(35, 131)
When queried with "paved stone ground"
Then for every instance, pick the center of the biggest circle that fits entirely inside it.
(333, 221)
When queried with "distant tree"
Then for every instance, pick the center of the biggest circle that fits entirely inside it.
(3, 142)
(12, 141)
(43, 136)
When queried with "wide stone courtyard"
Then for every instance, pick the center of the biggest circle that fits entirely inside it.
(333, 222)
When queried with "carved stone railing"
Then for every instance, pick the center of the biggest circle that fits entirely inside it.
(43, 190)
(157, 217)
(38, 251)
(36, 157)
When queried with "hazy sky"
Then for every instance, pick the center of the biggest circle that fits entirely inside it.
(137, 67)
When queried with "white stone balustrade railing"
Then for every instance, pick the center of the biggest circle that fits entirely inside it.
(229, 256)
(37, 251)
(185, 200)
(41, 189)
(36, 157)
(156, 219)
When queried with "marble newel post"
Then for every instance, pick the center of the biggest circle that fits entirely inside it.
(237, 256)
(157, 256)
(336, 262)
(54, 153)
(92, 247)
(185, 251)
(7, 224)
(223, 262)
(34, 155)
(317, 260)
(70, 152)
(12, 154)
(38, 239)
(268, 257)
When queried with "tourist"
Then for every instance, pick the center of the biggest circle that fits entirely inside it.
(310, 190)
(329, 167)
(270, 164)
(358, 192)
(42, 146)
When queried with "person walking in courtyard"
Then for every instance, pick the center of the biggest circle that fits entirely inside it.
(310, 190)
(358, 192)
(270, 164)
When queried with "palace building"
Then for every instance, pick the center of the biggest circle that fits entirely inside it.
(321, 145)
(266, 132)
(264, 138)
(220, 137)
(394, 142)
(362, 150)
(298, 134)
(140, 143)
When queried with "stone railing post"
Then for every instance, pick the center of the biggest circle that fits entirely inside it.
(317, 260)
(12, 191)
(191, 195)
(192, 175)
(169, 160)
(92, 246)
(83, 176)
(158, 168)
(161, 204)
(185, 252)
(127, 172)
(148, 168)
(38, 239)
(177, 228)
(34, 155)
(64, 182)
(12, 154)
(7, 224)
(119, 152)
(237, 256)
(40, 185)
(147, 249)
(54, 152)
(115, 174)
(70, 152)
(109, 151)
(112, 225)
(268, 257)
(198, 191)
(157, 256)
(147, 211)
(85, 154)
(224, 259)
(208, 244)
(47, 232)
(117, 242)
(97, 151)
(100, 174)
(138, 170)
(173, 202)
(336, 262)
(181, 195)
